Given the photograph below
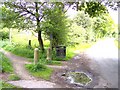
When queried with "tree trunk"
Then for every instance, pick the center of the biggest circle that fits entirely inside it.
(77, 7)
(40, 41)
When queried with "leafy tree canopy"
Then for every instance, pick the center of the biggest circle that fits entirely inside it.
(55, 24)
(93, 8)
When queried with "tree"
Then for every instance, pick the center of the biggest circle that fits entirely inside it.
(93, 8)
(83, 20)
(114, 4)
(33, 11)
(55, 24)
(10, 18)
(103, 26)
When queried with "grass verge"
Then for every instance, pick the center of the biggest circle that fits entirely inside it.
(6, 64)
(25, 51)
(39, 71)
(117, 43)
(5, 85)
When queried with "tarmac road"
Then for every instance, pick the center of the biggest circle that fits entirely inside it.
(104, 55)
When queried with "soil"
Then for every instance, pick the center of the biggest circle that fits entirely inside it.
(79, 62)
(27, 81)
(4, 76)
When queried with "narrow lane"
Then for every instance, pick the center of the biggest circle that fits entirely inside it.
(104, 55)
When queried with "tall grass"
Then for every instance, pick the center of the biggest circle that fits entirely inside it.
(3, 43)
(39, 70)
(6, 65)
(20, 47)
(6, 86)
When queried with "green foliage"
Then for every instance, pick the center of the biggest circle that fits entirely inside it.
(11, 19)
(36, 68)
(13, 77)
(39, 70)
(7, 85)
(54, 62)
(3, 43)
(103, 26)
(4, 33)
(81, 29)
(88, 29)
(93, 8)
(55, 23)
(117, 43)
(83, 20)
(6, 65)
(20, 50)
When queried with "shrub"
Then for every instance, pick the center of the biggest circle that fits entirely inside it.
(36, 68)
(4, 33)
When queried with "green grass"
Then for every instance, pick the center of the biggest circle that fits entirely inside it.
(5, 85)
(39, 71)
(54, 63)
(117, 43)
(82, 47)
(20, 50)
(13, 77)
(6, 64)
(3, 43)
(24, 51)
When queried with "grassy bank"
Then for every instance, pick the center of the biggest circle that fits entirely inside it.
(117, 43)
(6, 86)
(39, 70)
(6, 64)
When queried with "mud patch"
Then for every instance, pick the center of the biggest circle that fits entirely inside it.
(77, 78)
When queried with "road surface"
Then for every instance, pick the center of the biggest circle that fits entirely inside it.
(104, 55)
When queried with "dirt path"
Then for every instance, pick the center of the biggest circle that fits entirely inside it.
(79, 62)
(99, 62)
(27, 81)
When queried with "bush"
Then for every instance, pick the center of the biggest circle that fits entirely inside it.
(36, 68)
(4, 33)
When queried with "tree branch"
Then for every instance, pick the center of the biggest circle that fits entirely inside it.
(24, 9)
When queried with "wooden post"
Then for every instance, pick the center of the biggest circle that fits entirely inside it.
(36, 55)
(49, 54)
(29, 44)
